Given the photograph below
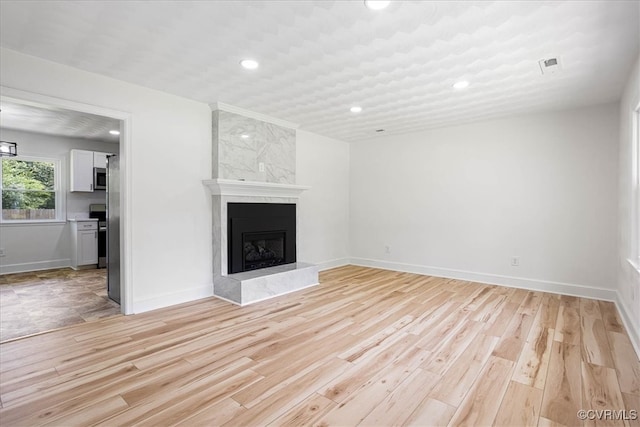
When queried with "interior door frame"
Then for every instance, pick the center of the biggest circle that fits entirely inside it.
(39, 100)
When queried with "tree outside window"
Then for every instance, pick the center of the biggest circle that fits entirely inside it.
(28, 190)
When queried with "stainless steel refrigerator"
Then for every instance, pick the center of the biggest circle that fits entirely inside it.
(113, 227)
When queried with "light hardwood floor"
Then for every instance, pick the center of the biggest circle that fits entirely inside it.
(366, 347)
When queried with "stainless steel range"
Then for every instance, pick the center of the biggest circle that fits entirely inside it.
(99, 211)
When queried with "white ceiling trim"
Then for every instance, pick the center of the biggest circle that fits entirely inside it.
(253, 115)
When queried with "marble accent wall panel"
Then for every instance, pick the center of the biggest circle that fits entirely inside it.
(243, 143)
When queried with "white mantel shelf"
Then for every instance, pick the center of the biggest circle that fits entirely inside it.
(231, 187)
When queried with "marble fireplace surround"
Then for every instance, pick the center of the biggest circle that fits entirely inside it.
(254, 161)
(253, 286)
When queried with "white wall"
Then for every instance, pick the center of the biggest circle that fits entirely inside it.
(628, 277)
(323, 164)
(170, 143)
(459, 202)
(30, 247)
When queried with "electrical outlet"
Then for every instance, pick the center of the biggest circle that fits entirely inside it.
(387, 250)
(515, 261)
(2, 252)
(261, 167)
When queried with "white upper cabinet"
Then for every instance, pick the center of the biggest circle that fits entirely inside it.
(82, 164)
(81, 172)
(100, 159)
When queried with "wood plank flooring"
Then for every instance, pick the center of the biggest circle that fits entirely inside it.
(367, 347)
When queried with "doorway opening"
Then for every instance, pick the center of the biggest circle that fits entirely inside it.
(47, 267)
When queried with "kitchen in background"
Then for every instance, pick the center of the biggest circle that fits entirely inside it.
(59, 271)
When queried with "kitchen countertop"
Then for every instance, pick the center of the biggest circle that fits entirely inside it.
(81, 219)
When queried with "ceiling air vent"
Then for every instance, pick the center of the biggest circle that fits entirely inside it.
(550, 65)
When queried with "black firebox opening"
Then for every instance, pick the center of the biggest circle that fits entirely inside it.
(260, 235)
(263, 250)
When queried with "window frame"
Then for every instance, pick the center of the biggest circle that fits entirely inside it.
(58, 191)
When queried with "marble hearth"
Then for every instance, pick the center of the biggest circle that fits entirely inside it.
(257, 285)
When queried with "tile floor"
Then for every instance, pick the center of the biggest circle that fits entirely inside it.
(43, 300)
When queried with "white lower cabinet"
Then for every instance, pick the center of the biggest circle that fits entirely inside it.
(84, 240)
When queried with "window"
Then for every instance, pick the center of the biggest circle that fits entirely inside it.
(30, 189)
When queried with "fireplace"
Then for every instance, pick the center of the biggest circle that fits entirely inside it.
(260, 235)
(254, 208)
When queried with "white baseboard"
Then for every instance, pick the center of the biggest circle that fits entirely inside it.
(34, 266)
(166, 300)
(326, 265)
(227, 300)
(630, 325)
(207, 291)
(494, 279)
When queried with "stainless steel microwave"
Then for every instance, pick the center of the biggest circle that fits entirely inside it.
(99, 178)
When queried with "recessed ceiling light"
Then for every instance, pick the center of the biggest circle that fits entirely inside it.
(249, 64)
(244, 136)
(461, 84)
(355, 109)
(114, 132)
(376, 4)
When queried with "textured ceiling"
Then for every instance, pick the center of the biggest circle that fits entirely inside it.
(318, 58)
(56, 121)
